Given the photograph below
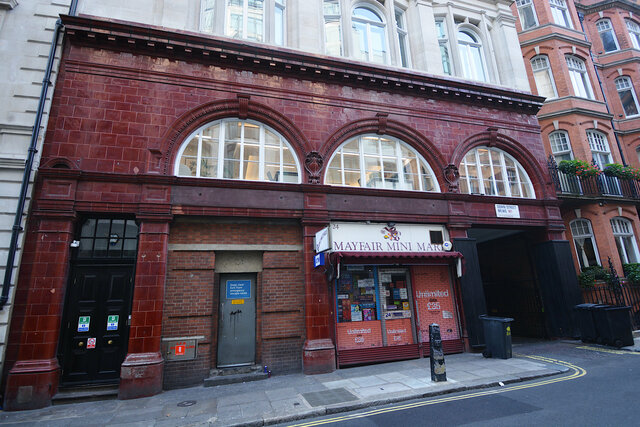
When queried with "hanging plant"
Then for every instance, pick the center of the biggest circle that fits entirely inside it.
(622, 172)
(579, 168)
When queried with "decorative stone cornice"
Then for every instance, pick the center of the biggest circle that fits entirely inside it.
(588, 9)
(219, 51)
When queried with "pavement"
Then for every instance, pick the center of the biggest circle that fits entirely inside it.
(287, 398)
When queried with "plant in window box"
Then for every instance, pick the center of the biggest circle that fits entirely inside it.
(590, 275)
(632, 273)
(579, 168)
(621, 172)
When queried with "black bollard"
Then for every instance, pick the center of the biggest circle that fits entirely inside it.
(438, 370)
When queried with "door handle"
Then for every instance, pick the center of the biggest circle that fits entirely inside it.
(81, 343)
(110, 342)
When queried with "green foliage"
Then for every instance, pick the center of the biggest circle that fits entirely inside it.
(579, 168)
(589, 276)
(632, 273)
(622, 172)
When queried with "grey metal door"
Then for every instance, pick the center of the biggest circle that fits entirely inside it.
(237, 325)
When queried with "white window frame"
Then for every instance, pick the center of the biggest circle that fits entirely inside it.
(402, 182)
(466, 51)
(599, 146)
(622, 230)
(634, 32)
(560, 13)
(198, 135)
(443, 42)
(523, 5)
(579, 77)
(245, 20)
(208, 16)
(402, 35)
(604, 27)
(624, 84)
(333, 18)
(538, 68)
(521, 176)
(357, 53)
(578, 227)
(560, 145)
(280, 24)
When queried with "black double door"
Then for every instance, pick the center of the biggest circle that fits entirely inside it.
(96, 328)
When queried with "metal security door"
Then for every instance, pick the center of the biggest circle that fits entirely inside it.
(237, 326)
(96, 332)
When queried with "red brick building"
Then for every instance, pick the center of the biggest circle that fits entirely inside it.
(184, 178)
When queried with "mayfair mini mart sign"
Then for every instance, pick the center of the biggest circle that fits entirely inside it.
(362, 237)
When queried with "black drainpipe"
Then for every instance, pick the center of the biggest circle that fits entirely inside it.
(604, 95)
(17, 224)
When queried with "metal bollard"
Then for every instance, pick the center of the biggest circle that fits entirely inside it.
(436, 357)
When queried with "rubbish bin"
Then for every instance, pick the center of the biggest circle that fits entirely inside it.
(586, 324)
(620, 330)
(497, 336)
(601, 323)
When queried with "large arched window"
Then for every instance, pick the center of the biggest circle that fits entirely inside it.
(374, 161)
(369, 36)
(471, 58)
(584, 242)
(493, 172)
(237, 149)
(625, 240)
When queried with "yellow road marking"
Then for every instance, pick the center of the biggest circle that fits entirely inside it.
(577, 373)
(607, 350)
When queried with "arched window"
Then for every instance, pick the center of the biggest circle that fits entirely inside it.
(625, 240)
(627, 96)
(374, 161)
(607, 36)
(369, 35)
(471, 55)
(560, 13)
(560, 145)
(543, 77)
(237, 149)
(634, 33)
(527, 14)
(493, 172)
(584, 243)
(579, 77)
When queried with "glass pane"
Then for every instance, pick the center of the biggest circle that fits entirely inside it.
(352, 178)
(129, 248)
(115, 246)
(251, 170)
(131, 229)
(271, 138)
(279, 24)
(388, 147)
(331, 7)
(102, 229)
(251, 133)
(608, 41)
(208, 168)
(370, 145)
(351, 161)
(410, 166)
(290, 174)
(371, 163)
(334, 176)
(411, 182)
(427, 182)
(86, 247)
(251, 152)
(351, 147)
(378, 45)
(188, 161)
(272, 154)
(360, 39)
(231, 169)
(88, 228)
(362, 12)
(629, 104)
(212, 132)
(374, 179)
(255, 20)
(272, 172)
(287, 157)
(333, 37)
(117, 228)
(100, 248)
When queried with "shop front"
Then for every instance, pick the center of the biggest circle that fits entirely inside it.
(392, 281)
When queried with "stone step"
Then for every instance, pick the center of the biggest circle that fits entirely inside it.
(215, 380)
(84, 394)
(636, 334)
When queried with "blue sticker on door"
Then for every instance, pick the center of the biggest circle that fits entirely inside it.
(238, 289)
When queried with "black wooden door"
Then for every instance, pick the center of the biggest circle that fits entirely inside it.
(96, 329)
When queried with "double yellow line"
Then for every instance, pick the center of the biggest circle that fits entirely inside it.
(577, 373)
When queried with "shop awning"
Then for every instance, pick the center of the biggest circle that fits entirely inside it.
(427, 255)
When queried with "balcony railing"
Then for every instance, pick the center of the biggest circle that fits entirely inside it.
(595, 186)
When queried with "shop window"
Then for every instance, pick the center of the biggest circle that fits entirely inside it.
(579, 77)
(527, 14)
(607, 36)
(332, 27)
(543, 76)
(627, 96)
(471, 57)
(244, 19)
(108, 238)
(560, 13)
(625, 240)
(403, 38)
(492, 172)
(634, 33)
(373, 161)
(237, 149)
(584, 243)
(599, 148)
(369, 35)
(443, 42)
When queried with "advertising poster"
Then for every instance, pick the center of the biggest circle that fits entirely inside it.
(399, 332)
(435, 301)
(359, 335)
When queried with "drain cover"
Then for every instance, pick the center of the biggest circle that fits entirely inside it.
(329, 397)
(187, 403)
